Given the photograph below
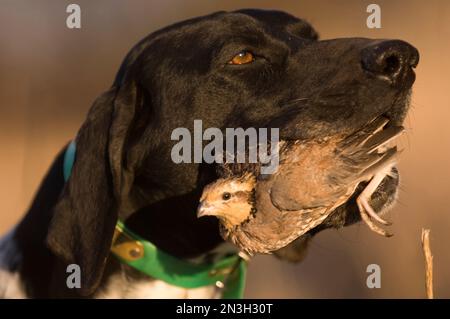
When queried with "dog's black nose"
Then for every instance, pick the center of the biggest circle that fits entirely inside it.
(391, 60)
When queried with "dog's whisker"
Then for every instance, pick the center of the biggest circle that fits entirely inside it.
(294, 102)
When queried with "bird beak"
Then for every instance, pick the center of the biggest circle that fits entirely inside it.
(204, 209)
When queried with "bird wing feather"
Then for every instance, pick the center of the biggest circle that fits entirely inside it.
(324, 176)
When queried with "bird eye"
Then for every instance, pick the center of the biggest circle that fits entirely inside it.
(242, 57)
(226, 196)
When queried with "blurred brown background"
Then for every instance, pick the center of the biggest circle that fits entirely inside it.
(49, 76)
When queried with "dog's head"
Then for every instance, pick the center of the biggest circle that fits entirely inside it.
(249, 68)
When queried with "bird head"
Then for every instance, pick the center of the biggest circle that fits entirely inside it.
(231, 200)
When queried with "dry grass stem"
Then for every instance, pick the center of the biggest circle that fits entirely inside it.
(428, 262)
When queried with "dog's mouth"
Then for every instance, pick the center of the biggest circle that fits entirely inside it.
(381, 200)
(371, 157)
(375, 195)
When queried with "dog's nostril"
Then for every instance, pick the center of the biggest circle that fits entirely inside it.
(391, 65)
(391, 60)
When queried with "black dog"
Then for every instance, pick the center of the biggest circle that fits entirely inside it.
(309, 89)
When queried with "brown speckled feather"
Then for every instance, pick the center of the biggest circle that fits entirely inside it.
(313, 179)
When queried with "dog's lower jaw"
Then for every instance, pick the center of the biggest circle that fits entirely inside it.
(348, 213)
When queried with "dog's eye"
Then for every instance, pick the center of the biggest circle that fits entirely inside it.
(226, 196)
(242, 57)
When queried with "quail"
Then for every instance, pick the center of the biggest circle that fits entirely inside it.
(263, 213)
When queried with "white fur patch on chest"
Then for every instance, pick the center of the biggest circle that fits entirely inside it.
(10, 283)
(119, 287)
(11, 286)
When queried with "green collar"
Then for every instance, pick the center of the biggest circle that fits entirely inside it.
(135, 251)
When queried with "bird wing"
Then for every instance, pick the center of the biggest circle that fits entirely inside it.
(270, 228)
(325, 175)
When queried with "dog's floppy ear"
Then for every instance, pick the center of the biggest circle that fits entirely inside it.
(85, 216)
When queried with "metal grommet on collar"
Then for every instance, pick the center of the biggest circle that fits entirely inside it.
(220, 284)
